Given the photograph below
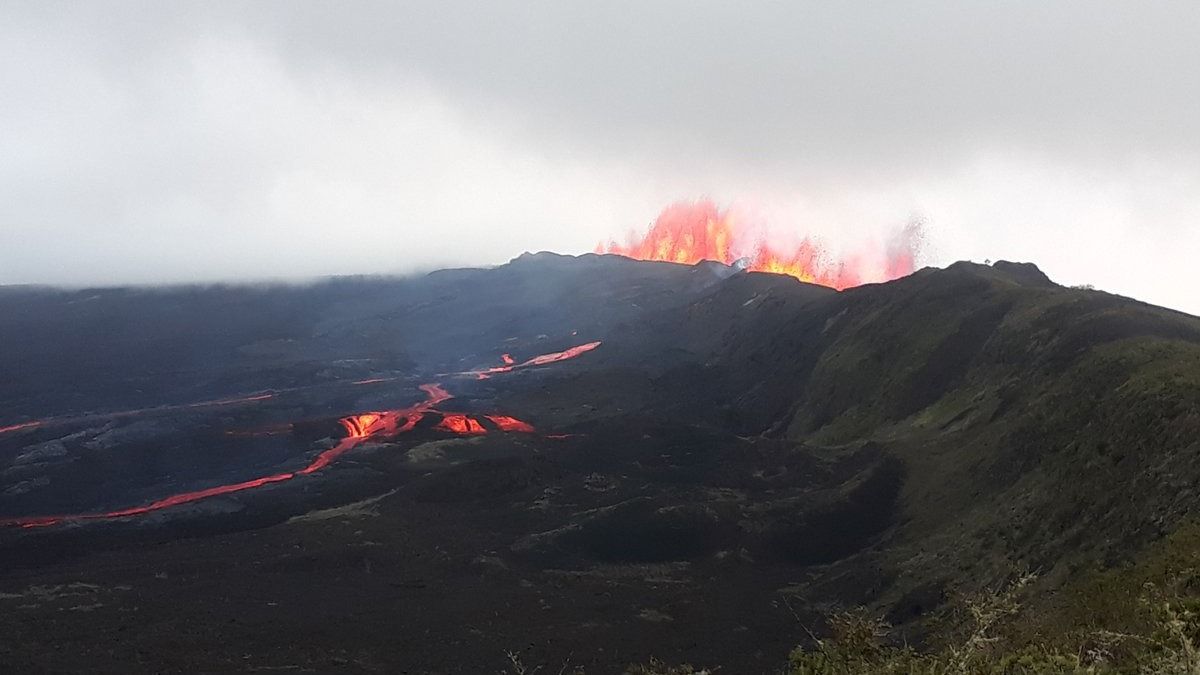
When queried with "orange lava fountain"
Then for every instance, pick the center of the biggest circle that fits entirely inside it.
(689, 232)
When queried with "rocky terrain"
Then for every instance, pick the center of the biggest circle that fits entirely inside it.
(723, 459)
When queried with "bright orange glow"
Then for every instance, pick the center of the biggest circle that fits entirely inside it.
(507, 359)
(507, 423)
(358, 428)
(689, 232)
(461, 424)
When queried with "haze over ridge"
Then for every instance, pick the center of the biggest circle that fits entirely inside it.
(199, 141)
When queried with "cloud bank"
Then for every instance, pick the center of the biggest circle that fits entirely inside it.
(145, 142)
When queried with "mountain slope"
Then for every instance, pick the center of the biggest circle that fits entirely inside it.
(741, 449)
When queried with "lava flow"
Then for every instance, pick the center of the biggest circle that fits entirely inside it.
(689, 232)
(136, 412)
(507, 423)
(541, 360)
(359, 428)
(464, 425)
(18, 427)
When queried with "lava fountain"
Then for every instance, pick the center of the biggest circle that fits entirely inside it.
(689, 232)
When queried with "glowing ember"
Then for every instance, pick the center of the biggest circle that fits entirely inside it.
(358, 428)
(689, 232)
(507, 359)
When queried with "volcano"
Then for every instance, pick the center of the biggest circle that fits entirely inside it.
(589, 460)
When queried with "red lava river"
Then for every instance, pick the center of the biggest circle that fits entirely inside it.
(359, 428)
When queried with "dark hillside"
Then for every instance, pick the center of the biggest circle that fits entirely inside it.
(723, 454)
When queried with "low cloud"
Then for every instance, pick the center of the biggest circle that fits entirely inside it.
(152, 143)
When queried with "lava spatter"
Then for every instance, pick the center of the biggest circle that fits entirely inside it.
(358, 428)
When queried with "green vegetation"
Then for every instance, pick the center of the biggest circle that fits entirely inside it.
(1141, 618)
(1017, 423)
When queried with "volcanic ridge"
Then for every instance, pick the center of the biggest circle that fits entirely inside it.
(592, 458)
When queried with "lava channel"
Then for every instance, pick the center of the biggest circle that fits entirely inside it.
(544, 359)
(18, 427)
(359, 428)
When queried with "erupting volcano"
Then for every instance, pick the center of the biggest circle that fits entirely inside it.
(358, 429)
(690, 232)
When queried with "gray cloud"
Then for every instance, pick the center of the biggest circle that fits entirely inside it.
(151, 141)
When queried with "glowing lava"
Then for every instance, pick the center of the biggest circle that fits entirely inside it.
(541, 360)
(461, 424)
(506, 423)
(359, 428)
(689, 232)
(18, 427)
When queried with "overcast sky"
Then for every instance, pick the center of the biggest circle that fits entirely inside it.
(156, 141)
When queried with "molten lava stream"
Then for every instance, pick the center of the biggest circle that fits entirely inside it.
(461, 424)
(18, 427)
(358, 428)
(541, 360)
(506, 423)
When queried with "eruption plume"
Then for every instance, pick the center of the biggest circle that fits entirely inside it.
(689, 232)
